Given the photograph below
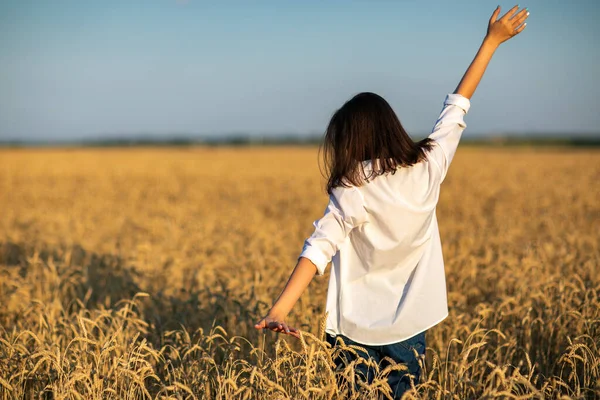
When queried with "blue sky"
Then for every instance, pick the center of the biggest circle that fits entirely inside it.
(83, 68)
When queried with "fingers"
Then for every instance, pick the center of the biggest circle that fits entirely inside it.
(520, 29)
(282, 327)
(520, 18)
(524, 13)
(510, 12)
(285, 327)
(277, 326)
(494, 16)
(518, 21)
(295, 334)
(290, 330)
(262, 324)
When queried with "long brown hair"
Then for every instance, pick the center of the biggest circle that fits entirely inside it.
(366, 128)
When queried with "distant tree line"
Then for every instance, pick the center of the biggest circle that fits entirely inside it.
(295, 140)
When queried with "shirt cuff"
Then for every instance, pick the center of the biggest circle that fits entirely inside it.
(316, 257)
(459, 101)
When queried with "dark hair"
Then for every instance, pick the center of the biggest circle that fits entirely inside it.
(366, 128)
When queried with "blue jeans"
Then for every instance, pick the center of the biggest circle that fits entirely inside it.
(400, 352)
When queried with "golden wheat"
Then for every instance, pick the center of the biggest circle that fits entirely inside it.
(139, 273)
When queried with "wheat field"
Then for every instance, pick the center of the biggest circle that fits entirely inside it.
(138, 273)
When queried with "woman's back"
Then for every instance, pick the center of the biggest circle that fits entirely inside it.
(387, 281)
(400, 209)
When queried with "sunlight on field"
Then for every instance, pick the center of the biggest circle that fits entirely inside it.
(138, 273)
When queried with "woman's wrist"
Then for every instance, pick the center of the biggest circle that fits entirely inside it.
(490, 43)
(276, 313)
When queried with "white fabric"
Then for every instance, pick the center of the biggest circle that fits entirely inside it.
(387, 282)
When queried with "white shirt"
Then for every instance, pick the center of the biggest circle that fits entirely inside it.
(387, 282)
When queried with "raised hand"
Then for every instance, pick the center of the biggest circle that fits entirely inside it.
(277, 325)
(499, 30)
(511, 24)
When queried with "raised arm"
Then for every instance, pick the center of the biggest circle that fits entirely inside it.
(450, 124)
(499, 30)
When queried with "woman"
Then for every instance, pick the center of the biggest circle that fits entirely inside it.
(387, 285)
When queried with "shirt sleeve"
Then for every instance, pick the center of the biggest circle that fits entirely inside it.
(448, 130)
(345, 211)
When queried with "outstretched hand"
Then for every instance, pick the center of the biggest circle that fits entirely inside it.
(277, 325)
(510, 24)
